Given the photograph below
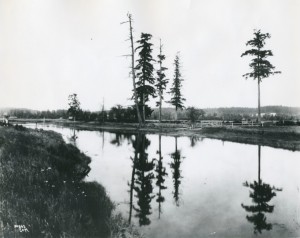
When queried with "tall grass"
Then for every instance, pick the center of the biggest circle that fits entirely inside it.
(42, 192)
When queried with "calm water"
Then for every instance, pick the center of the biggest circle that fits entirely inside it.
(183, 187)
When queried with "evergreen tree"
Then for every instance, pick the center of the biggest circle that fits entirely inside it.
(177, 99)
(161, 79)
(144, 74)
(261, 67)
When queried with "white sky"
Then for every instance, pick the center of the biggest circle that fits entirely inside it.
(52, 48)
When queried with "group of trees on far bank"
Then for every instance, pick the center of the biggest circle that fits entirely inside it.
(145, 84)
(149, 81)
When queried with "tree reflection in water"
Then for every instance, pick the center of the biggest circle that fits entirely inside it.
(194, 140)
(141, 180)
(176, 172)
(73, 137)
(160, 178)
(261, 195)
(120, 138)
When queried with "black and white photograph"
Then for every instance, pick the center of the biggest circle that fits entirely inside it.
(149, 118)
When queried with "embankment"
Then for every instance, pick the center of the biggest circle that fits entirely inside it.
(43, 192)
(285, 137)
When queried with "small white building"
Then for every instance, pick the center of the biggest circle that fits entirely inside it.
(5, 118)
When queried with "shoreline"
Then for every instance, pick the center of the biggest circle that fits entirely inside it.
(40, 170)
(283, 137)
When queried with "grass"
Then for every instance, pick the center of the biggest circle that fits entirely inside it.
(284, 137)
(43, 192)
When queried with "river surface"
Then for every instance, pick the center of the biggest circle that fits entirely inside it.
(184, 187)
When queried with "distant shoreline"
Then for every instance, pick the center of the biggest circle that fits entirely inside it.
(284, 137)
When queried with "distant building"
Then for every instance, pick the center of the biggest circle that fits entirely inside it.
(270, 114)
(5, 118)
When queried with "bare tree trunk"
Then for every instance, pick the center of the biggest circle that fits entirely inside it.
(259, 165)
(160, 94)
(144, 113)
(103, 110)
(160, 101)
(133, 73)
(259, 117)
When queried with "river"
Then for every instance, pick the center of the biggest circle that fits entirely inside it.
(185, 187)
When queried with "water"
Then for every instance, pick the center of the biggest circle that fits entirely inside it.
(183, 187)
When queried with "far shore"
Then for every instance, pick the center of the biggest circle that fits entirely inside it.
(284, 137)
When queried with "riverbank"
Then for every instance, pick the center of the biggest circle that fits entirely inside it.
(43, 192)
(284, 137)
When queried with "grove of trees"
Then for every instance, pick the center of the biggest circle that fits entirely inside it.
(145, 85)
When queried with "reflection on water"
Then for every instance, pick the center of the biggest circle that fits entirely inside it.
(185, 187)
(143, 179)
(194, 140)
(176, 172)
(261, 195)
(160, 178)
(73, 137)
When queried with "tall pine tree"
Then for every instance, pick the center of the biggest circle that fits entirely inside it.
(144, 73)
(176, 97)
(162, 81)
(260, 66)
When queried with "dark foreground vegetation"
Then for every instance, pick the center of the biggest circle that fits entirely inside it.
(43, 192)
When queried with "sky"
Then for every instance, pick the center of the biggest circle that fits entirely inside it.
(50, 49)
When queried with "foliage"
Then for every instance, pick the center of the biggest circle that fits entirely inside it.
(194, 114)
(120, 114)
(176, 96)
(74, 105)
(42, 188)
(144, 69)
(121, 228)
(261, 67)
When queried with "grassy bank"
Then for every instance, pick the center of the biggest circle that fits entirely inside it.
(43, 192)
(285, 137)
